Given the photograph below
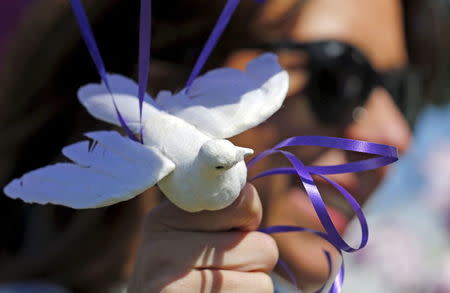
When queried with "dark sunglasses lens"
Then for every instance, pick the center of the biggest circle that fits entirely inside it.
(341, 79)
(404, 85)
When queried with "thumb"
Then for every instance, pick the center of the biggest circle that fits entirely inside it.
(245, 214)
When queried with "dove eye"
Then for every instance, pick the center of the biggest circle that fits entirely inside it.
(219, 167)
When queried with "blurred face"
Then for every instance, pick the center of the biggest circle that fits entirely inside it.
(375, 28)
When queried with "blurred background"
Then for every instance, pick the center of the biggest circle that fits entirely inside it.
(409, 218)
(361, 69)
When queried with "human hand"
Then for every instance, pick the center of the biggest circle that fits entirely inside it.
(218, 251)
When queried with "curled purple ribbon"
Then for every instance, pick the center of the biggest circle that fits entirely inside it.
(386, 155)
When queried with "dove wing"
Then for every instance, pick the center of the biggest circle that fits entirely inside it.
(109, 169)
(226, 102)
(99, 103)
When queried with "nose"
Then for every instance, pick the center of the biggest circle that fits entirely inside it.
(381, 121)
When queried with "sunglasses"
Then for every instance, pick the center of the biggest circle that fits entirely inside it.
(341, 79)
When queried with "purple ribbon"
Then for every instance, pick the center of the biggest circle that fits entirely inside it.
(216, 33)
(222, 22)
(336, 287)
(144, 53)
(338, 281)
(288, 271)
(386, 155)
(88, 36)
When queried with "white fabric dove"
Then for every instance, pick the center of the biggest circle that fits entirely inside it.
(184, 148)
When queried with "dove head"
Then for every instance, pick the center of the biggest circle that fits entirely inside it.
(221, 154)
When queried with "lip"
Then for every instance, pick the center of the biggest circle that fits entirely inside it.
(298, 198)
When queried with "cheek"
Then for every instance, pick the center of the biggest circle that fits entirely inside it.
(297, 82)
(368, 183)
(381, 123)
(240, 59)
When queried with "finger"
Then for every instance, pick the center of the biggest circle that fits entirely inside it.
(222, 281)
(244, 213)
(182, 251)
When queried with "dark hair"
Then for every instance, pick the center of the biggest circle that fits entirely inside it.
(427, 32)
(45, 62)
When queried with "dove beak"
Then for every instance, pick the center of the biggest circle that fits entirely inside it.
(243, 152)
(240, 154)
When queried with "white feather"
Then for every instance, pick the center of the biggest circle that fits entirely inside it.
(225, 102)
(99, 103)
(114, 170)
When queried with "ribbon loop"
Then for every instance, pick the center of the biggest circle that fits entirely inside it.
(386, 155)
